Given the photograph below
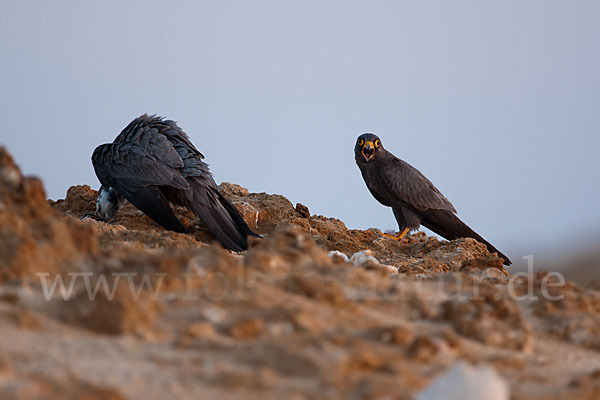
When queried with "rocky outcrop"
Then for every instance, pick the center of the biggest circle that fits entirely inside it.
(311, 310)
(34, 238)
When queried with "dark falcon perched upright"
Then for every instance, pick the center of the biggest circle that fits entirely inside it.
(153, 162)
(413, 198)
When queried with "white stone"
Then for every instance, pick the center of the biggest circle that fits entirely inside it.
(364, 257)
(467, 382)
(337, 254)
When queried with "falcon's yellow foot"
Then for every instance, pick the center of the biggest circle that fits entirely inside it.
(399, 236)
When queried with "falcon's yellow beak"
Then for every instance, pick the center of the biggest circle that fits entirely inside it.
(368, 151)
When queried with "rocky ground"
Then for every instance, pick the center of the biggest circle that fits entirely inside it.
(175, 315)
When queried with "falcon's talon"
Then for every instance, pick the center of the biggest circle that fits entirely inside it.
(89, 215)
(400, 236)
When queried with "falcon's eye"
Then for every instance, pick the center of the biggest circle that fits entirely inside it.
(377, 143)
(361, 142)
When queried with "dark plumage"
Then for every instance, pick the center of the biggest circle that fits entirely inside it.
(413, 198)
(152, 163)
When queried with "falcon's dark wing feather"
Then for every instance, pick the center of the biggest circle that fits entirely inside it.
(401, 183)
(221, 218)
(134, 173)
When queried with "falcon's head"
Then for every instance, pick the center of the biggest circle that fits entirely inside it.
(367, 146)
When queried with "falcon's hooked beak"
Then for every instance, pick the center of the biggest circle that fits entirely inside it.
(368, 151)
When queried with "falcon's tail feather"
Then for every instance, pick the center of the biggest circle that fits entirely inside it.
(446, 224)
(221, 218)
(236, 216)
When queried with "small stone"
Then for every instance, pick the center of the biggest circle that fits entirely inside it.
(200, 329)
(464, 382)
(398, 335)
(247, 328)
(302, 210)
(338, 256)
(364, 258)
(423, 348)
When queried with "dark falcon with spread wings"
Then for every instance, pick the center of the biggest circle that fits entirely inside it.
(413, 198)
(153, 163)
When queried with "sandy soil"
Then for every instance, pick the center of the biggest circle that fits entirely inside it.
(285, 319)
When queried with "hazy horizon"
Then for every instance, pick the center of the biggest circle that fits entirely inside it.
(495, 102)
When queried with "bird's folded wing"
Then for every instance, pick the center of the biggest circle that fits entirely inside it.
(193, 166)
(128, 164)
(138, 175)
(406, 184)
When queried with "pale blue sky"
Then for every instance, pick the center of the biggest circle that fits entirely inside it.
(497, 102)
